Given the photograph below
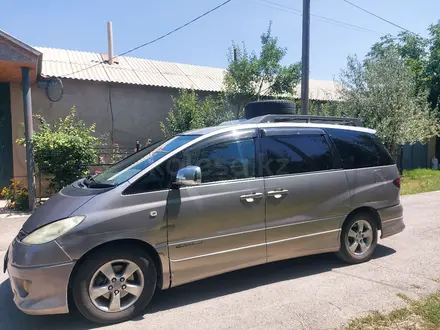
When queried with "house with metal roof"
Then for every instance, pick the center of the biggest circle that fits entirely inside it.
(85, 66)
(125, 96)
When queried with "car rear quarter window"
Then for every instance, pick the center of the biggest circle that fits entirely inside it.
(291, 154)
(359, 149)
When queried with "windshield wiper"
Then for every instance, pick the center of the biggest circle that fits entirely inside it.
(86, 181)
(91, 183)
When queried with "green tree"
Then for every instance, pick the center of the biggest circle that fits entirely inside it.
(250, 77)
(421, 56)
(411, 48)
(189, 111)
(433, 67)
(60, 149)
(381, 92)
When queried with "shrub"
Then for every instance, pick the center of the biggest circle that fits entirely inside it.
(16, 196)
(189, 112)
(62, 149)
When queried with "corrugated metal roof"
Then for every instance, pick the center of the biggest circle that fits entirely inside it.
(207, 84)
(130, 70)
(153, 79)
(94, 72)
(180, 81)
(53, 54)
(52, 68)
(124, 76)
(83, 57)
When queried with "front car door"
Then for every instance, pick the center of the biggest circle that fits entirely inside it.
(218, 226)
(307, 192)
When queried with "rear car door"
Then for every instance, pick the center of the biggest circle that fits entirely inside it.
(371, 171)
(307, 195)
(218, 226)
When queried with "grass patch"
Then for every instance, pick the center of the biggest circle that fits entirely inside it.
(420, 180)
(421, 314)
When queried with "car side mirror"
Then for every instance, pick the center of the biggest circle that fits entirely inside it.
(189, 176)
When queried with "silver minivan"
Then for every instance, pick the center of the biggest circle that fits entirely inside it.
(203, 203)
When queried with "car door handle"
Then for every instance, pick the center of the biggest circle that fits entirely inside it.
(277, 193)
(251, 197)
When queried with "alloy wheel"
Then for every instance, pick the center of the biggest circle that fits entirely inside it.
(359, 238)
(116, 286)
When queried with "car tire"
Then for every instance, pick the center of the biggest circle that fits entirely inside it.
(269, 107)
(354, 239)
(115, 257)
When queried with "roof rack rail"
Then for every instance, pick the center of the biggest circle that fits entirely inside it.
(307, 119)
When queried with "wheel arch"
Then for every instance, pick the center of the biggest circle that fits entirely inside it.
(368, 210)
(126, 243)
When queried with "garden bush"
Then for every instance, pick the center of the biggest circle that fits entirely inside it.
(64, 148)
(16, 195)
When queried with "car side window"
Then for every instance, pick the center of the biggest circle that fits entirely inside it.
(359, 149)
(159, 178)
(385, 157)
(293, 154)
(229, 160)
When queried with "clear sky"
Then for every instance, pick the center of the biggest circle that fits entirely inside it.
(81, 25)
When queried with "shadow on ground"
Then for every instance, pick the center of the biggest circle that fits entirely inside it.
(12, 318)
(8, 212)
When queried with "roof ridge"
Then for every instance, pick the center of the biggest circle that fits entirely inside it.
(20, 43)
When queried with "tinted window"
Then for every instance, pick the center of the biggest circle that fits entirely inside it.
(359, 149)
(159, 178)
(384, 156)
(229, 160)
(296, 154)
(132, 165)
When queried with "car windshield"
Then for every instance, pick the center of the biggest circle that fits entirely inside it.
(132, 165)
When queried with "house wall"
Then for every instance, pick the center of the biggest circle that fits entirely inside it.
(17, 119)
(136, 111)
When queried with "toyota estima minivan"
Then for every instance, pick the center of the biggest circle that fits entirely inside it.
(205, 202)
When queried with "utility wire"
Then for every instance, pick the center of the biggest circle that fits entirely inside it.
(155, 40)
(327, 19)
(379, 17)
(177, 29)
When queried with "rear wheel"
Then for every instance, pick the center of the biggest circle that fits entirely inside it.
(113, 286)
(358, 238)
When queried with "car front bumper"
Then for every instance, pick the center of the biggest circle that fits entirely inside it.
(391, 220)
(39, 289)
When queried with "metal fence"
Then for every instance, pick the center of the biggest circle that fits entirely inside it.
(105, 157)
(415, 156)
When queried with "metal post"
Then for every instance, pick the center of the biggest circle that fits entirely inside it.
(401, 160)
(28, 131)
(305, 58)
(110, 42)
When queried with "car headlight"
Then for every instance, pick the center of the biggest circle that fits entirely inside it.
(52, 231)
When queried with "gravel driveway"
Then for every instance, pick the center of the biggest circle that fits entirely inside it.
(317, 292)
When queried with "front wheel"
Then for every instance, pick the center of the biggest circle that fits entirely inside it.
(358, 239)
(113, 286)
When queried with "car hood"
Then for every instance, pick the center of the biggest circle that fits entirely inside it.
(59, 206)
